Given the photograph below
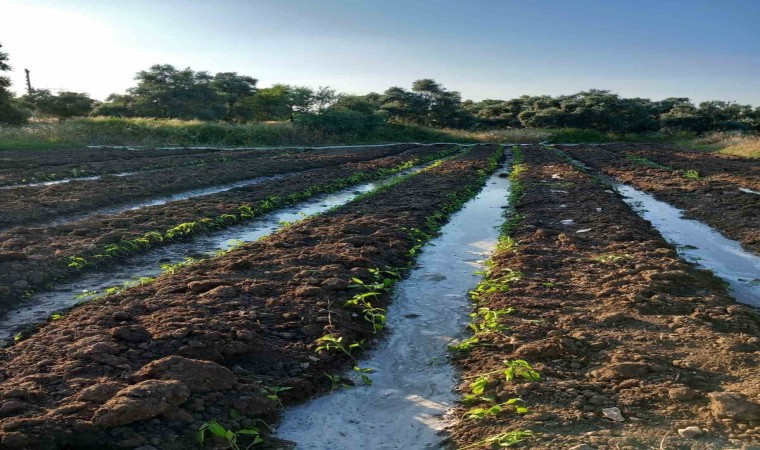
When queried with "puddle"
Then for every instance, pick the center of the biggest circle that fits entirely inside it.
(66, 180)
(412, 386)
(154, 201)
(700, 244)
(42, 305)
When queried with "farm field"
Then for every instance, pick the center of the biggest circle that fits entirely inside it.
(200, 298)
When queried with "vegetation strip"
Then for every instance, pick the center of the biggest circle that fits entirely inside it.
(27, 205)
(702, 189)
(595, 334)
(35, 258)
(217, 342)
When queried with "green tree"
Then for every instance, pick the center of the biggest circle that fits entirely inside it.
(270, 103)
(164, 91)
(63, 106)
(10, 112)
(235, 89)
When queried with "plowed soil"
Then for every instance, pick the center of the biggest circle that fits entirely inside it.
(145, 368)
(33, 257)
(611, 318)
(714, 198)
(24, 205)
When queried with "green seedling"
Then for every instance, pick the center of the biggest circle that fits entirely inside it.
(337, 382)
(487, 319)
(56, 317)
(273, 393)
(77, 262)
(330, 342)
(493, 284)
(466, 345)
(691, 174)
(361, 375)
(513, 404)
(502, 440)
(520, 368)
(217, 429)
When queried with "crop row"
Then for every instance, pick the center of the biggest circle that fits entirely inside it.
(594, 334)
(26, 205)
(33, 258)
(714, 199)
(224, 343)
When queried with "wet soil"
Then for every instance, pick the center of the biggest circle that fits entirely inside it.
(34, 257)
(715, 198)
(743, 172)
(25, 166)
(611, 317)
(145, 368)
(24, 205)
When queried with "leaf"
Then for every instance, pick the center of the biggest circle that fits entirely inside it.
(217, 430)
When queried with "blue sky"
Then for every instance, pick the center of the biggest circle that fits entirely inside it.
(484, 49)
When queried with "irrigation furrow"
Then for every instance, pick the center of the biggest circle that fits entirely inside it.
(413, 385)
(227, 333)
(140, 268)
(601, 335)
(33, 257)
(696, 242)
(29, 205)
(718, 202)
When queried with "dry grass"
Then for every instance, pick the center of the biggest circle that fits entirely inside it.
(747, 146)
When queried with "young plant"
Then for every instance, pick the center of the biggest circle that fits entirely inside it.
(330, 342)
(691, 174)
(513, 404)
(273, 393)
(217, 429)
(520, 368)
(361, 375)
(502, 440)
(337, 382)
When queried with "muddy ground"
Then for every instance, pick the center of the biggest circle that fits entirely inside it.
(34, 257)
(743, 172)
(145, 368)
(27, 166)
(714, 198)
(611, 317)
(24, 205)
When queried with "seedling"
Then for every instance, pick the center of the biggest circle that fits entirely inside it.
(361, 375)
(337, 382)
(611, 257)
(503, 440)
(330, 342)
(691, 174)
(487, 319)
(273, 393)
(216, 429)
(520, 368)
(514, 404)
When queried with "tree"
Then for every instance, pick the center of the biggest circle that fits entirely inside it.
(323, 97)
(235, 89)
(163, 91)
(66, 104)
(270, 103)
(10, 113)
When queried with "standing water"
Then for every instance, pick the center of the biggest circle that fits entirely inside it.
(700, 244)
(66, 295)
(412, 386)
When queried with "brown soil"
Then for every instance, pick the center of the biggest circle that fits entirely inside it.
(743, 172)
(714, 199)
(25, 205)
(145, 368)
(25, 166)
(32, 257)
(611, 317)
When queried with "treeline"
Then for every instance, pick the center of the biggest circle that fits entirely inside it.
(164, 91)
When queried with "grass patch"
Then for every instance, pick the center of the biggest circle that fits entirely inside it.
(744, 145)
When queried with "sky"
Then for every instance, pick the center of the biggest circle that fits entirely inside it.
(704, 50)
